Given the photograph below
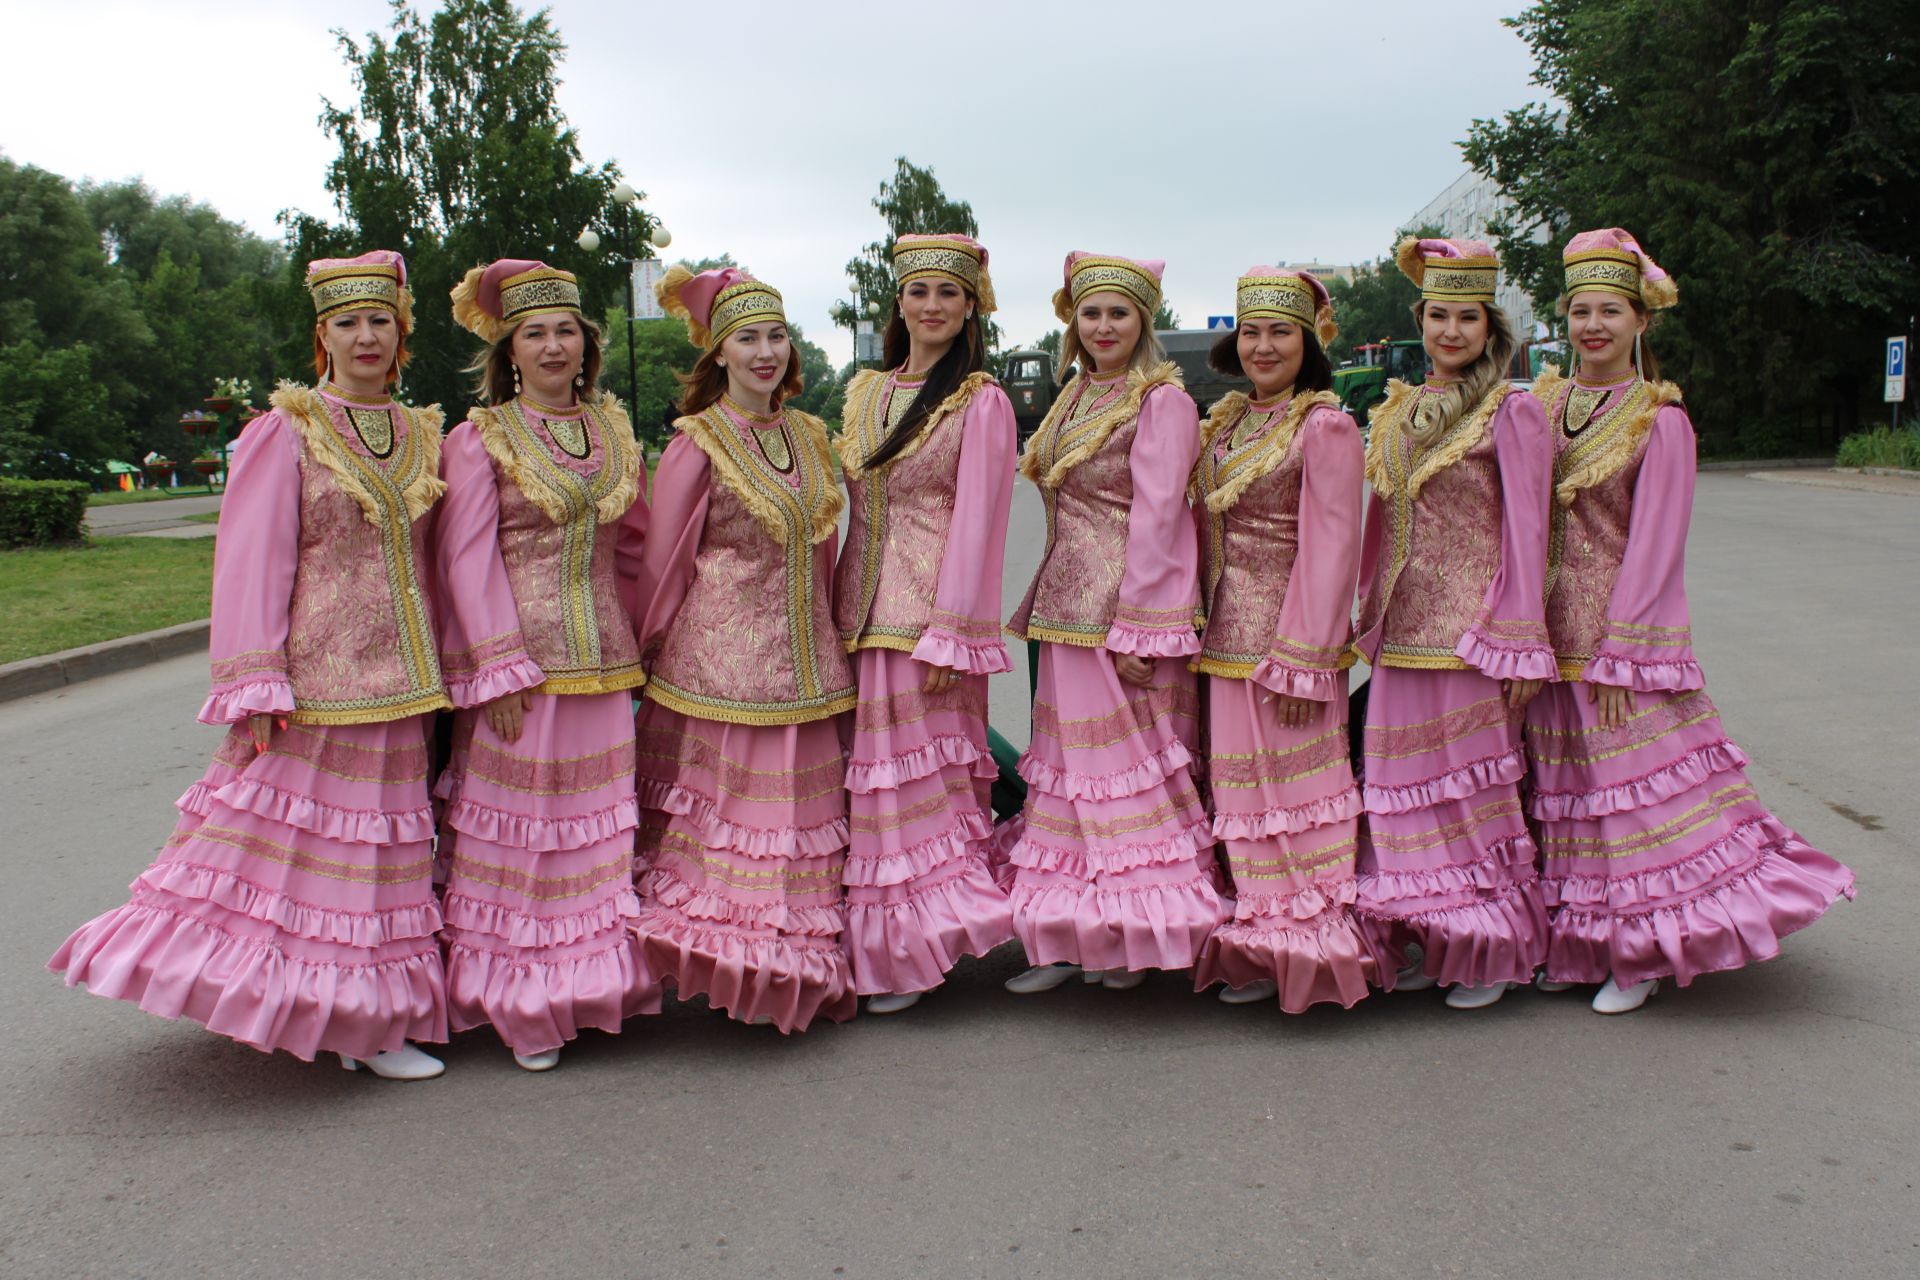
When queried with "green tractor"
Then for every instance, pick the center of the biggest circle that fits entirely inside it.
(1363, 384)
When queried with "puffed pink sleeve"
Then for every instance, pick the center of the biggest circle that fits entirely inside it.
(1160, 587)
(1649, 641)
(1308, 656)
(964, 630)
(1508, 641)
(483, 654)
(255, 554)
(630, 545)
(678, 519)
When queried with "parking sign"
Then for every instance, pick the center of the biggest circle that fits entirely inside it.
(1896, 370)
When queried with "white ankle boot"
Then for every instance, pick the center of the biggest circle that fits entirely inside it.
(545, 1060)
(894, 1003)
(1042, 977)
(1550, 985)
(1252, 993)
(1476, 997)
(1122, 979)
(409, 1062)
(1614, 998)
(1413, 975)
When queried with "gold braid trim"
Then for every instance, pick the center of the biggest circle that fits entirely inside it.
(861, 389)
(1383, 433)
(616, 441)
(1097, 429)
(307, 412)
(1606, 461)
(1272, 450)
(1454, 445)
(825, 517)
(854, 461)
(1547, 386)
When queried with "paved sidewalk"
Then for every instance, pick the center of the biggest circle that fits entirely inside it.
(1846, 478)
(125, 518)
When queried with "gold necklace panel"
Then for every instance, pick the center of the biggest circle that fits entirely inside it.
(570, 434)
(375, 429)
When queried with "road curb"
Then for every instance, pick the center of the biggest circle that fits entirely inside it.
(1765, 464)
(71, 666)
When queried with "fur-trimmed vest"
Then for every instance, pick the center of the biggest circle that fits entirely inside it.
(1080, 457)
(559, 529)
(360, 644)
(900, 513)
(754, 641)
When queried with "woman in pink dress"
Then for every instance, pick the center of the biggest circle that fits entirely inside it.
(1452, 569)
(1114, 867)
(928, 453)
(1277, 498)
(538, 548)
(742, 771)
(293, 906)
(1658, 858)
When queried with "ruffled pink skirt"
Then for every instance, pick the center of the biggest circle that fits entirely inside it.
(537, 843)
(1286, 812)
(1658, 858)
(919, 891)
(293, 907)
(1446, 860)
(1114, 865)
(742, 844)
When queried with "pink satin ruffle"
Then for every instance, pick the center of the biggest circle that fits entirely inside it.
(1455, 784)
(1286, 820)
(1498, 661)
(1319, 958)
(880, 870)
(864, 777)
(774, 842)
(497, 681)
(1152, 642)
(1117, 785)
(540, 1000)
(1642, 792)
(1644, 677)
(1300, 682)
(542, 834)
(904, 938)
(236, 702)
(235, 893)
(352, 826)
(945, 649)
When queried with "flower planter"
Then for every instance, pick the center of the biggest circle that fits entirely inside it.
(220, 404)
(209, 467)
(198, 426)
(159, 472)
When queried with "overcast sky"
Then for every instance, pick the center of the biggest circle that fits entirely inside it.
(1210, 133)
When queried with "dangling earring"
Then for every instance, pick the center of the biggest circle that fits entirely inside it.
(516, 379)
(580, 379)
(1638, 368)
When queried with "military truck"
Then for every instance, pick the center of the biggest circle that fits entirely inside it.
(1029, 384)
(1188, 349)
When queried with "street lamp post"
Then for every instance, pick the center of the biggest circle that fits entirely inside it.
(626, 208)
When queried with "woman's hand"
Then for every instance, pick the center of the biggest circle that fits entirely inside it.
(506, 715)
(1520, 692)
(1294, 712)
(1615, 704)
(260, 726)
(1135, 671)
(939, 679)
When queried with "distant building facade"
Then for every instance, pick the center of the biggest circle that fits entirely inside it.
(1463, 211)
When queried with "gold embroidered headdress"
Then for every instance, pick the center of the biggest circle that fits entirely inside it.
(1612, 260)
(958, 258)
(715, 303)
(1094, 273)
(377, 279)
(1271, 293)
(1450, 270)
(492, 300)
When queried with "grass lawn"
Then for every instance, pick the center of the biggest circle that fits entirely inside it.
(58, 598)
(116, 498)
(205, 517)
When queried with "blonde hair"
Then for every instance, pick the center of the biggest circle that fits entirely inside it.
(1146, 353)
(1481, 377)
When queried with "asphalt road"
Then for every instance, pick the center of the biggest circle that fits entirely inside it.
(1764, 1122)
(125, 518)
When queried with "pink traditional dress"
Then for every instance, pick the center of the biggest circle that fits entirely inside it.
(293, 906)
(1658, 858)
(1453, 566)
(742, 770)
(1277, 494)
(1114, 866)
(538, 548)
(918, 585)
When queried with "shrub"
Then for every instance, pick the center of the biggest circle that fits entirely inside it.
(39, 513)
(1881, 447)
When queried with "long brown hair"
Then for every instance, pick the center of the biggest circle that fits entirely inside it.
(966, 354)
(493, 367)
(701, 388)
(1482, 376)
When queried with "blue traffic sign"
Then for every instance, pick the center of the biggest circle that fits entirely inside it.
(1896, 357)
(1219, 322)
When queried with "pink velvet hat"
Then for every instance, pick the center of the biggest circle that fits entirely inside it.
(715, 303)
(1274, 293)
(492, 300)
(1085, 273)
(949, 256)
(1612, 260)
(374, 279)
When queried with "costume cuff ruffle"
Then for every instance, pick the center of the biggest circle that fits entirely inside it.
(1506, 662)
(1301, 682)
(1152, 642)
(494, 681)
(1645, 677)
(941, 648)
(236, 702)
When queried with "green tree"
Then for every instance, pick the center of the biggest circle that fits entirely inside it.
(56, 420)
(457, 153)
(913, 203)
(1767, 152)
